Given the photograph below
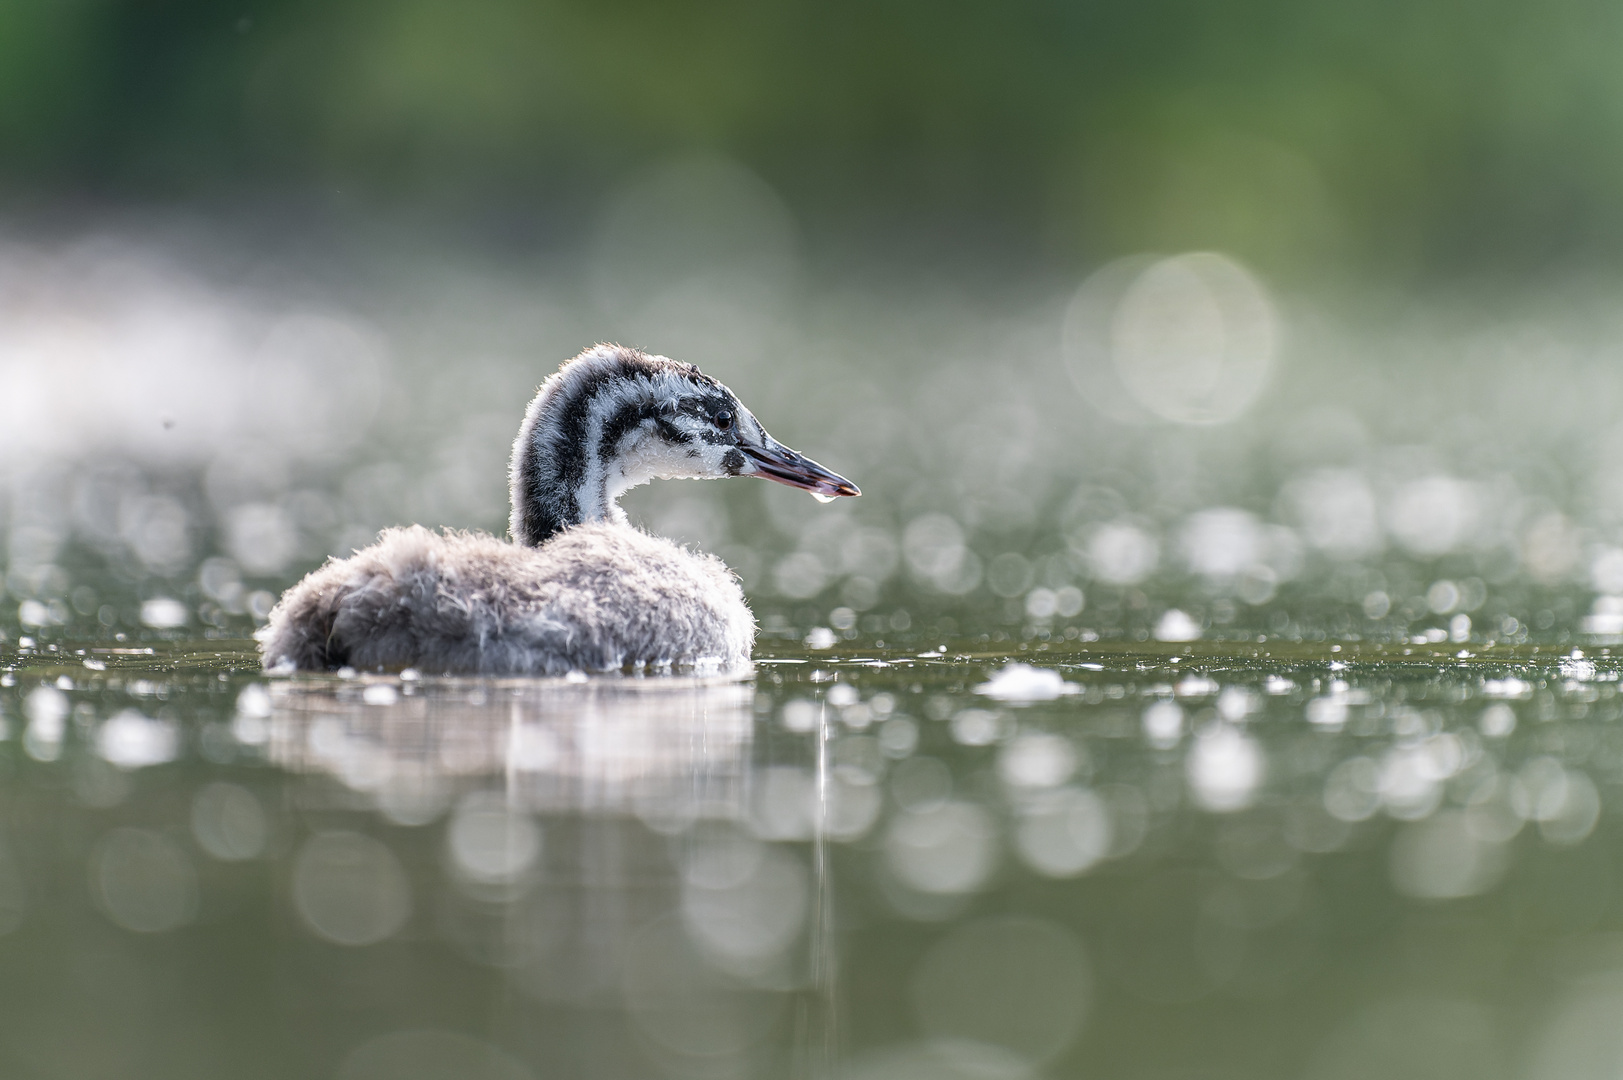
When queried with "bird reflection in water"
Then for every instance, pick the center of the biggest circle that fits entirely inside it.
(591, 745)
(605, 843)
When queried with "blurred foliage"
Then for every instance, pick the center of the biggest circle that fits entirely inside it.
(1382, 135)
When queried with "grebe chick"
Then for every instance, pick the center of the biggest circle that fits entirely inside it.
(579, 588)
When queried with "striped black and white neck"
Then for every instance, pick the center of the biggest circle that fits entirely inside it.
(614, 418)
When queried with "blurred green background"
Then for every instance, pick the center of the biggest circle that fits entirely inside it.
(1285, 318)
(1379, 137)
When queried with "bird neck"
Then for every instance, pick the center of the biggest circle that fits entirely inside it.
(566, 468)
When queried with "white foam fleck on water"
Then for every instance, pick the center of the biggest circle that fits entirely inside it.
(1023, 682)
(1575, 667)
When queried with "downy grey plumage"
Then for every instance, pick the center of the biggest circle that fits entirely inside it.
(579, 588)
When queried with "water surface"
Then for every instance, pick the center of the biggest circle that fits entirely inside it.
(1263, 859)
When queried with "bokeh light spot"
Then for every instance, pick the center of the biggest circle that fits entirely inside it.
(350, 889)
(143, 881)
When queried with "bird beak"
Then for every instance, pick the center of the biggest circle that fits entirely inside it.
(775, 461)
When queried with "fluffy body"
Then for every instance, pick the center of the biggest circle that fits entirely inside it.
(579, 589)
(596, 597)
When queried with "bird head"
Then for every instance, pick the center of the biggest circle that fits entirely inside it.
(613, 418)
(702, 431)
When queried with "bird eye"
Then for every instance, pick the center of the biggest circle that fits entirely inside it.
(724, 420)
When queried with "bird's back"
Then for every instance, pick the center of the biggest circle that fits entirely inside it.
(595, 597)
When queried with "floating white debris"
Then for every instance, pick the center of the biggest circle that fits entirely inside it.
(1022, 682)
(1575, 667)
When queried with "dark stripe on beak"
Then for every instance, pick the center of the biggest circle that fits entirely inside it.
(774, 461)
